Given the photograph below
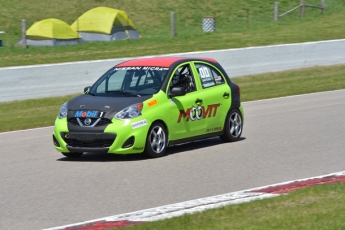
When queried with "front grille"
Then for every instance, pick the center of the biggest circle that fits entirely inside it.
(86, 144)
(101, 122)
(104, 121)
(89, 140)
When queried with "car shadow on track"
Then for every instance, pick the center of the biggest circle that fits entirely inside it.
(103, 157)
(190, 146)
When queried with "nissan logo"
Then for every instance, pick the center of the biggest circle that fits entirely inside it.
(87, 121)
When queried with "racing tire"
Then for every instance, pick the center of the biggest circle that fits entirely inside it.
(72, 154)
(233, 126)
(156, 140)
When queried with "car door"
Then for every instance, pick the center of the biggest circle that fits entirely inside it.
(216, 95)
(186, 109)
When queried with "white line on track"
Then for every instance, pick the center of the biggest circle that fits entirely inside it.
(25, 130)
(292, 96)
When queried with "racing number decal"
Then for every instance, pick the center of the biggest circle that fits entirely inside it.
(204, 73)
(198, 112)
(206, 77)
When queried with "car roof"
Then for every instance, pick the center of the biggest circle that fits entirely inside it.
(160, 61)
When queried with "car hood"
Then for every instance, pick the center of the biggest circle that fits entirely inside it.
(88, 104)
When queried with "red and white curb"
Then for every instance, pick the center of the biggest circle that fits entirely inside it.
(199, 205)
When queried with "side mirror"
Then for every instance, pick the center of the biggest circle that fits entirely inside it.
(177, 91)
(87, 89)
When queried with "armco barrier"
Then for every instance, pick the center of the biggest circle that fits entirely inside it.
(25, 82)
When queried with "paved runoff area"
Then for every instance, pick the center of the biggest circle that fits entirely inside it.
(199, 205)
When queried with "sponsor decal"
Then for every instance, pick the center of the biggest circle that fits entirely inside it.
(138, 148)
(152, 103)
(141, 68)
(86, 113)
(139, 124)
(214, 129)
(218, 78)
(154, 68)
(199, 112)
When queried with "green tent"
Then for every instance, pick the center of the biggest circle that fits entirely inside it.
(50, 32)
(105, 24)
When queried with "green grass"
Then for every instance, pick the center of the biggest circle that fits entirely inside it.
(286, 83)
(42, 112)
(319, 207)
(30, 113)
(239, 23)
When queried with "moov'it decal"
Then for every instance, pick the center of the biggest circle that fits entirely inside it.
(199, 112)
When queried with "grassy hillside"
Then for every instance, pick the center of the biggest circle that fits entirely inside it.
(239, 23)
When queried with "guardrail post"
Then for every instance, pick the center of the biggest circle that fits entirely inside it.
(172, 20)
(248, 15)
(302, 8)
(24, 33)
(276, 11)
(323, 6)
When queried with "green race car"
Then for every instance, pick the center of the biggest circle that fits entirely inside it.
(145, 105)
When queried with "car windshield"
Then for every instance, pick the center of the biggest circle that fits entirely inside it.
(130, 81)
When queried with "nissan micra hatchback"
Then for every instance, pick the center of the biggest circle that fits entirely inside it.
(145, 105)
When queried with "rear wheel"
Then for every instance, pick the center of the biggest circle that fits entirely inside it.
(72, 154)
(156, 140)
(233, 126)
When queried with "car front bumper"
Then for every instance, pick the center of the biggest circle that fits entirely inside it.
(120, 137)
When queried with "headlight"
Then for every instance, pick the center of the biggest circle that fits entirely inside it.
(130, 112)
(63, 111)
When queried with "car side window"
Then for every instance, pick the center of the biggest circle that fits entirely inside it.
(183, 77)
(209, 76)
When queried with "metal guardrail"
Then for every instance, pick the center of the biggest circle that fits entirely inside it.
(303, 5)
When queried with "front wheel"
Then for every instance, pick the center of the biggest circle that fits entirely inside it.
(72, 154)
(156, 140)
(233, 126)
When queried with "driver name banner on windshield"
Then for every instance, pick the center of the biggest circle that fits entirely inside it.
(141, 68)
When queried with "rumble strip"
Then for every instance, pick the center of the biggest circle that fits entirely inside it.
(198, 205)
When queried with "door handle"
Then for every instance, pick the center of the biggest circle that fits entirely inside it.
(226, 95)
(198, 101)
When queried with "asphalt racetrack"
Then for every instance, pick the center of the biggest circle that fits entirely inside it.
(284, 139)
